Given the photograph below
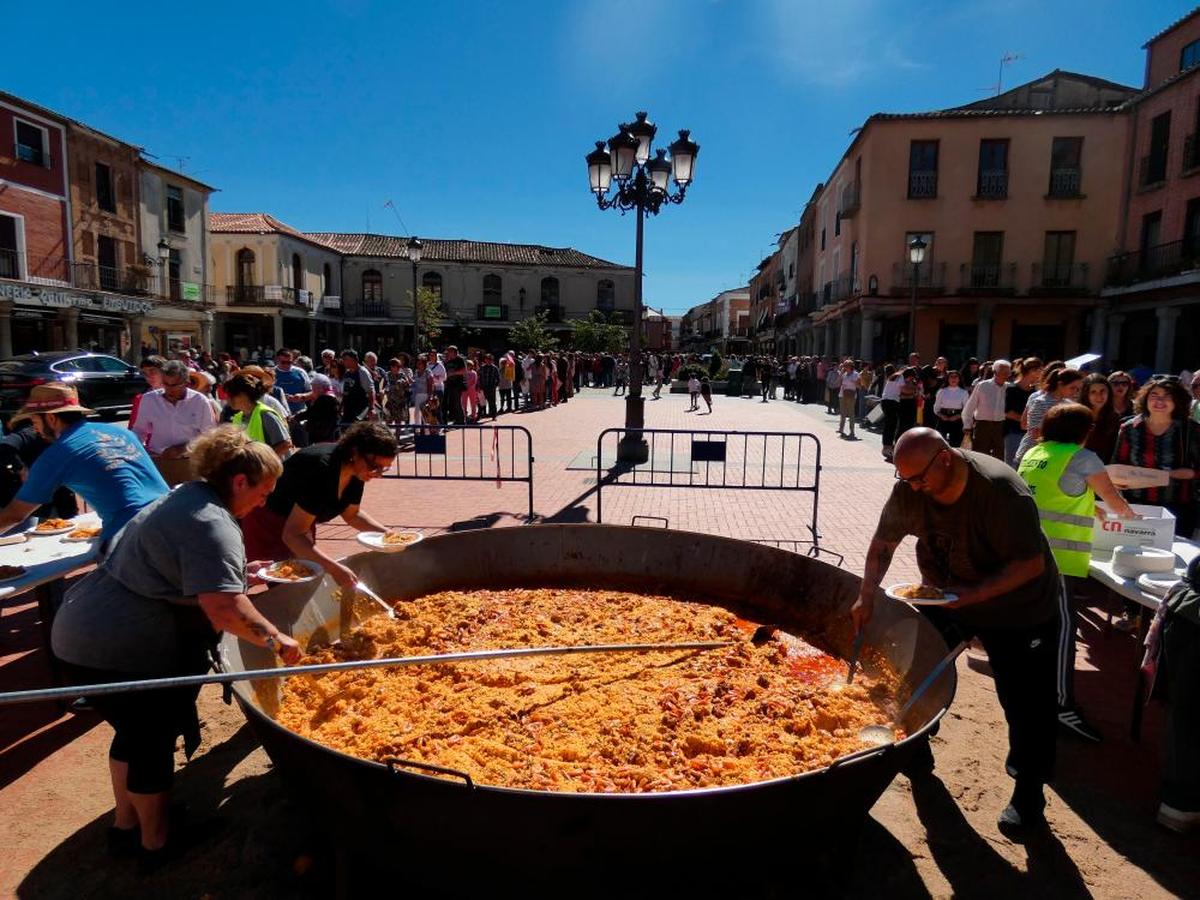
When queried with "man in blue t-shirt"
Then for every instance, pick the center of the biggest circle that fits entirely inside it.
(296, 386)
(104, 464)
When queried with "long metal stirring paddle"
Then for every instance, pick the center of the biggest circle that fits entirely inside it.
(150, 684)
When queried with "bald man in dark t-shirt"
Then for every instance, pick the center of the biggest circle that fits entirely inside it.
(980, 538)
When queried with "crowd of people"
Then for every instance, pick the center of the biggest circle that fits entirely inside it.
(263, 453)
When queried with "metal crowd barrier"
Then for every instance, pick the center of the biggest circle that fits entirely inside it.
(741, 460)
(496, 453)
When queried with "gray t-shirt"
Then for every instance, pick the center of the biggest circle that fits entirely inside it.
(138, 612)
(1083, 465)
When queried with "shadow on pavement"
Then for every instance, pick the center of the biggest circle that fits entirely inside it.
(251, 843)
(974, 868)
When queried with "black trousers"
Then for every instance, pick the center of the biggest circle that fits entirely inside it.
(452, 411)
(891, 421)
(907, 409)
(1181, 774)
(489, 394)
(1024, 662)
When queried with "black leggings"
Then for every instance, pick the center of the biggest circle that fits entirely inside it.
(891, 418)
(146, 724)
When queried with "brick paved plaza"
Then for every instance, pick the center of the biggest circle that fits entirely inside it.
(855, 481)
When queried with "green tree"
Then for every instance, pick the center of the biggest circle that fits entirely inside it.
(597, 334)
(531, 333)
(430, 315)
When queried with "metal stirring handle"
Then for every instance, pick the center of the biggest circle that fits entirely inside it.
(150, 684)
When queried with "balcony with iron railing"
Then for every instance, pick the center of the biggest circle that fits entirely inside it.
(1160, 261)
(922, 185)
(1064, 183)
(930, 277)
(1058, 279)
(135, 281)
(850, 200)
(1191, 153)
(988, 278)
(367, 308)
(993, 184)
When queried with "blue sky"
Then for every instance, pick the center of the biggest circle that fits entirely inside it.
(473, 118)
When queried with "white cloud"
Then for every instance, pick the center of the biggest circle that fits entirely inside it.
(833, 44)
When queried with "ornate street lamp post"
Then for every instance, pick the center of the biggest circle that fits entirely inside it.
(642, 184)
(916, 255)
(414, 256)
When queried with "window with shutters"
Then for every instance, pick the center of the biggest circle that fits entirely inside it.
(606, 294)
(1065, 175)
(432, 282)
(11, 229)
(372, 285)
(104, 188)
(1058, 259)
(993, 170)
(549, 292)
(922, 170)
(491, 290)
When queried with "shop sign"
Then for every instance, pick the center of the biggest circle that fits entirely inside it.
(59, 299)
(189, 290)
(492, 312)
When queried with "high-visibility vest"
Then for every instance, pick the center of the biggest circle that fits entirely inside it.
(1066, 520)
(254, 429)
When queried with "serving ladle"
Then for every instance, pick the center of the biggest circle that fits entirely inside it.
(886, 734)
(361, 589)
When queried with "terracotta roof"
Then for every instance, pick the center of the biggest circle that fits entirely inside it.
(255, 223)
(1171, 27)
(462, 251)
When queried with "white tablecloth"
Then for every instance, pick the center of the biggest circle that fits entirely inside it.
(1101, 569)
(47, 558)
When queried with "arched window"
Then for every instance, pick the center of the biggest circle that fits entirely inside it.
(606, 295)
(432, 281)
(245, 267)
(372, 285)
(297, 272)
(326, 280)
(549, 292)
(491, 290)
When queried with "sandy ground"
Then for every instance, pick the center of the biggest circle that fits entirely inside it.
(935, 837)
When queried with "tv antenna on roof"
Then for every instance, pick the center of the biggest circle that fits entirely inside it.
(1005, 60)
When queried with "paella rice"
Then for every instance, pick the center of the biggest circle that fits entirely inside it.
(630, 722)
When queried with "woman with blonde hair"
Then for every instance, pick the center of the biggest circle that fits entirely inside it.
(174, 579)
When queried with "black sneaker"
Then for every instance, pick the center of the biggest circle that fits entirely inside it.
(1017, 823)
(1069, 718)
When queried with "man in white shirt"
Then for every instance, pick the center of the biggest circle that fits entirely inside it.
(983, 416)
(437, 372)
(171, 418)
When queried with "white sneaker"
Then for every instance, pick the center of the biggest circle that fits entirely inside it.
(1177, 819)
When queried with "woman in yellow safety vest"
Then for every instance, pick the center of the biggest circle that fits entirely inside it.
(260, 421)
(1065, 478)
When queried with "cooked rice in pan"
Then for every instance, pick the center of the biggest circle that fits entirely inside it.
(628, 722)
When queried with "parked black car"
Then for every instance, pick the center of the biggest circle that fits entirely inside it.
(105, 383)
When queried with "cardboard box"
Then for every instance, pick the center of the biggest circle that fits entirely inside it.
(1156, 528)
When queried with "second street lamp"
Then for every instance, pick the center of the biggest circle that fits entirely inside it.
(916, 255)
(414, 256)
(643, 185)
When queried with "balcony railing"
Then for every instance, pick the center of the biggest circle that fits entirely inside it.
(993, 184)
(491, 312)
(1191, 153)
(368, 308)
(850, 200)
(135, 281)
(988, 278)
(1064, 183)
(1161, 261)
(922, 185)
(1058, 278)
(931, 279)
(552, 311)
(1152, 170)
(620, 316)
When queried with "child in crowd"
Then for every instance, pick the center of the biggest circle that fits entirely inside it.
(706, 392)
(694, 392)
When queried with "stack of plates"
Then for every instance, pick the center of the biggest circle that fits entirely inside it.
(1130, 562)
(1157, 583)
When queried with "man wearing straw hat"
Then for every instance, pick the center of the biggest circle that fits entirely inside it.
(104, 464)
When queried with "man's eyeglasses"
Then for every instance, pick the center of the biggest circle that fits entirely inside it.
(920, 476)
